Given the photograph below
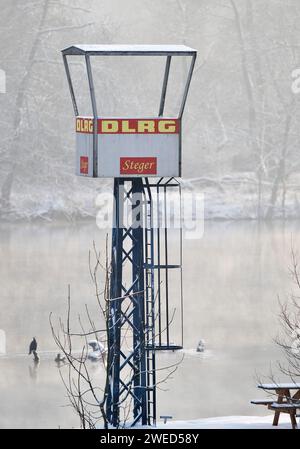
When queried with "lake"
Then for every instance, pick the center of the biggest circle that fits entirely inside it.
(232, 278)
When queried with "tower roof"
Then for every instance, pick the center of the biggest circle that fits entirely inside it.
(133, 50)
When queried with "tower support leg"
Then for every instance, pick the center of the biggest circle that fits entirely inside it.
(139, 380)
(114, 319)
(127, 370)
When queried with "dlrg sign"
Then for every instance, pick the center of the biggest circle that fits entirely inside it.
(129, 146)
(127, 126)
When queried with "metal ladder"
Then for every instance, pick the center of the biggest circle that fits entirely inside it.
(150, 312)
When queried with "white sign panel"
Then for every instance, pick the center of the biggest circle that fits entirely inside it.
(129, 147)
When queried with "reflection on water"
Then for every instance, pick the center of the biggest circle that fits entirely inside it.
(33, 370)
(232, 277)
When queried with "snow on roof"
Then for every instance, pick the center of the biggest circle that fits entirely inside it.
(148, 50)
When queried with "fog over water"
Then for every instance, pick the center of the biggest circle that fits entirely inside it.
(232, 277)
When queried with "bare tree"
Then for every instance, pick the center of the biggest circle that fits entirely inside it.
(7, 184)
(289, 339)
(86, 391)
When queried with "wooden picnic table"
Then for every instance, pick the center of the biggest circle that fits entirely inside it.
(286, 402)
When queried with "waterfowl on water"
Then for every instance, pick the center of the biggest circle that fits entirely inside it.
(98, 350)
(32, 346)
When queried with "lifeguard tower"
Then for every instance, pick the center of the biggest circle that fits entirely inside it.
(144, 157)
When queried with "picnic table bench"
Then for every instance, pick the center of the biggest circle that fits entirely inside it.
(285, 402)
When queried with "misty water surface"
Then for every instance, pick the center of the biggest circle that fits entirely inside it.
(232, 278)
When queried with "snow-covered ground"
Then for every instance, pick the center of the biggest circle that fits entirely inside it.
(230, 422)
(231, 197)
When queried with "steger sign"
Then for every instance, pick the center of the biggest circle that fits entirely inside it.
(128, 146)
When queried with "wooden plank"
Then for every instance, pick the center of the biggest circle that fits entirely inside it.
(293, 421)
(285, 406)
(280, 386)
(262, 401)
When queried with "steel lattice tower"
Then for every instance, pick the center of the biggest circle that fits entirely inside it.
(139, 305)
(131, 307)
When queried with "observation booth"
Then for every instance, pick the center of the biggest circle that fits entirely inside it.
(143, 156)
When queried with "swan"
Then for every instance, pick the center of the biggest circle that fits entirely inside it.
(98, 350)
